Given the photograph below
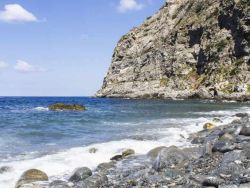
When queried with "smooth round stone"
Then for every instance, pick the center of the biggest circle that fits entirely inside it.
(32, 175)
(80, 174)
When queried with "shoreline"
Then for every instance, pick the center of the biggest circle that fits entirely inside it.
(241, 99)
(177, 167)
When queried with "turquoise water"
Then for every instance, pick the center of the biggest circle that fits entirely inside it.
(31, 133)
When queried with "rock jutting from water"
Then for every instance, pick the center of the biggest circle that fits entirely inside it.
(188, 49)
(66, 107)
(219, 157)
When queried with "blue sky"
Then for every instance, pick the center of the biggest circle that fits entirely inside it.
(62, 47)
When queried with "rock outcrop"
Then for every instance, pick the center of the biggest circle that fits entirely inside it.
(188, 49)
(66, 107)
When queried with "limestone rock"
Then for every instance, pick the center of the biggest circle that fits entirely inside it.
(188, 49)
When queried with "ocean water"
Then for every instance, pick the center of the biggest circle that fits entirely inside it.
(58, 142)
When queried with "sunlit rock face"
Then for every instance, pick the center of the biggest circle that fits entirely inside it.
(188, 49)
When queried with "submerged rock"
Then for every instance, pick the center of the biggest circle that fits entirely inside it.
(80, 174)
(67, 107)
(93, 150)
(32, 175)
(5, 169)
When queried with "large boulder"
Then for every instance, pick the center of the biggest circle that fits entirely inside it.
(169, 158)
(80, 174)
(32, 175)
(67, 107)
(153, 153)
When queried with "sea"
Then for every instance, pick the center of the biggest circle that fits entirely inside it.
(57, 142)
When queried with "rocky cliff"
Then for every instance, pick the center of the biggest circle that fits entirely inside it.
(188, 49)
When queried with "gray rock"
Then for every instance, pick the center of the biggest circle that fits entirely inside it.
(93, 150)
(105, 166)
(169, 157)
(59, 184)
(80, 174)
(246, 185)
(245, 131)
(212, 181)
(5, 169)
(116, 158)
(94, 181)
(154, 152)
(223, 146)
(228, 186)
(242, 115)
(230, 171)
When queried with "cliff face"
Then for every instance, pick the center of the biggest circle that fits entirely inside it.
(189, 48)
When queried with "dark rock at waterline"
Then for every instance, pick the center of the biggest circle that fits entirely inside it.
(128, 152)
(32, 175)
(67, 107)
(59, 184)
(94, 181)
(242, 115)
(93, 150)
(116, 158)
(80, 174)
(5, 169)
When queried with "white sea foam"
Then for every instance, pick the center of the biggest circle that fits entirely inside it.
(63, 163)
(225, 113)
(40, 108)
(60, 165)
